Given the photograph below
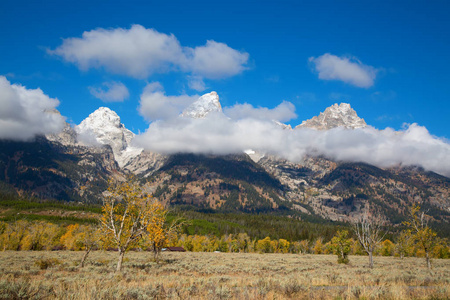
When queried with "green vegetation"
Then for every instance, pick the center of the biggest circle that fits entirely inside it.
(15, 208)
(341, 246)
(258, 226)
(38, 204)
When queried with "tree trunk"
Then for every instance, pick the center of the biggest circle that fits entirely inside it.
(428, 260)
(119, 262)
(371, 259)
(155, 253)
(83, 259)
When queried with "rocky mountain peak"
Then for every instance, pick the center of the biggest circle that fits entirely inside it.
(67, 136)
(341, 115)
(102, 117)
(105, 127)
(203, 106)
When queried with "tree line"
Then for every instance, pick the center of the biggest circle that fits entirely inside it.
(133, 219)
(42, 235)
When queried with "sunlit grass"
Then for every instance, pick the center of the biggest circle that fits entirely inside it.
(218, 276)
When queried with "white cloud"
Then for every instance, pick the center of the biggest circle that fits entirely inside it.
(214, 134)
(26, 113)
(219, 134)
(114, 92)
(139, 52)
(216, 60)
(412, 146)
(155, 105)
(196, 83)
(87, 138)
(136, 52)
(348, 70)
(284, 112)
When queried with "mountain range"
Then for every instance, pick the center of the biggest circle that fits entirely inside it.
(76, 164)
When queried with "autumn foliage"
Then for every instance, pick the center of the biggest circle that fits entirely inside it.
(128, 214)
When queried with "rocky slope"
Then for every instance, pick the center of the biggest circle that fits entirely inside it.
(228, 183)
(50, 170)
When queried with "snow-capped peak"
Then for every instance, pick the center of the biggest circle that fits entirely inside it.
(203, 106)
(103, 117)
(103, 126)
(341, 115)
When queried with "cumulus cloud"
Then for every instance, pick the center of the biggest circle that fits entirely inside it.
(87, 138)
(348, 70)
(154, 104)
(284, 112)
(219, 134)
(412, 146)
(216, 134)
(216, 60)
(26, 113)
(136, 52)
(139, 52)
(112, 92)
(196, 83)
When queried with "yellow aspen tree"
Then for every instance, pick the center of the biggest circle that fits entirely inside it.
(160, 232)
(127, 212)
(155, 229)
(14, 234)
(403, 245)
(39, 236)
(283, 246)
(327, 248)
(264, 245)
(441, 249)
(243, 241)
(419, 230)
(318, 246)
(3, 227)
(68, 239)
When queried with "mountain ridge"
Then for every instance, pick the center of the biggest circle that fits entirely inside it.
(316, 186)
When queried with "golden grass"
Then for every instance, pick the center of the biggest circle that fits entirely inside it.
(219, 276)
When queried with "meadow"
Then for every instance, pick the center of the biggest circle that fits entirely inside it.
(202, 275)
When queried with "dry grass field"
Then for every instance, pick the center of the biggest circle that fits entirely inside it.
(55, 275)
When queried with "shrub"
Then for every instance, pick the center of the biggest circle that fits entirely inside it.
(44, 264)
(341, 246)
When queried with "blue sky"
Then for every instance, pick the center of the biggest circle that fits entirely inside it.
(289, 60)
(405, 43)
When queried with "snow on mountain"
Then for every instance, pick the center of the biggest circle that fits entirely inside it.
(203, 106)
(103, 126)
(335, 116)
(282, 125)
